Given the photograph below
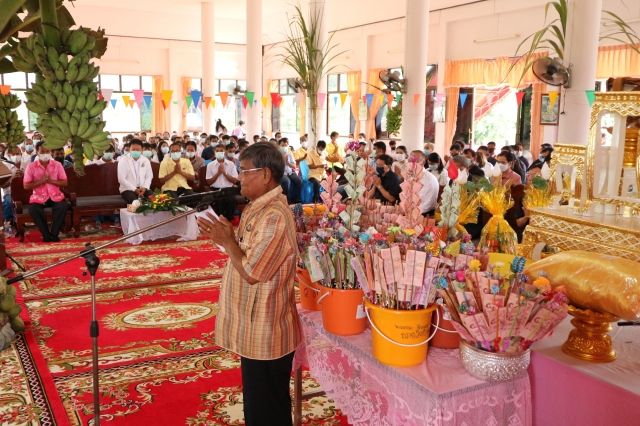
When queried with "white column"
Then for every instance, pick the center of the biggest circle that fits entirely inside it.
(208, 46)
(581, 50)
(322, 6)
(416, 42)
(254, 66)
(442, 63)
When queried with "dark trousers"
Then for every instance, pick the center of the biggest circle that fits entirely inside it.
(291, 184)
(130, 196)
(265, 391)
(226, 206)
(59, 210)
(316, 189)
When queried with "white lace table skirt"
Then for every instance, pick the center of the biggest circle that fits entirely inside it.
(186, 228)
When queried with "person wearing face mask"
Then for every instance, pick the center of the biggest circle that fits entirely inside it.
(176, 172)
(163, 150)
(134, 173)
(362, 138)
(430, 188)
(543, 158)
(401, 161)
(386, 184)
(221, 174)
(461, 164)
(429, 147)
(315, 160)
(191, 154)
(230, 152)
(15, 156)
(456, 149)
(45, 178)
(301, 153)
(58, 155)
(436, 168)
(148, 153)
(28, 151)
(291, 182)
(491, 149)
(107, 156)
(335, 152)
(505, 161)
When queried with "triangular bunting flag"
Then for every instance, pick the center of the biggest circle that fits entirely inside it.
(335, 101)
(416, 98)
(245, 101)
(213, 102)
(189, 100)
(463, 99)
(343, 97)
(166, 98)
(224, 96)
(389, 99)
(369, 99)
(274, 99)
(106, 94)
(250, 96)
(138, 95)
(5, 89)
(553, 98)
(147, 100)
(322, 97)
(265, 101)
(207, 101)
(127, 100)
(114, 102)
(132, 102)
(195, 97)
(398, 98)
(519, 96)
(591, 96)
(381, 99)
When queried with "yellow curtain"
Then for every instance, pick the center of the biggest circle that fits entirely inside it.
(487, 72)
(537, 131)
(451, 116)
(185, 88)
(376, 103)
(159, 122)
(353, 87)
(617, 61)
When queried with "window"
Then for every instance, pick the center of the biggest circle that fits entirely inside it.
(339, 114)
(123, 119)
(285, 117)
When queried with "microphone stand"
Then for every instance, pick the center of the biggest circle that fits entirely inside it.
(92, 261)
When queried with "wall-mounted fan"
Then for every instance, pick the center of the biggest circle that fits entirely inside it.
(551, 71)
(393, 82)
(236, 90)
(296, 84)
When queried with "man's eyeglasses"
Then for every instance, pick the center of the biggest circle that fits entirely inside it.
(245, 171)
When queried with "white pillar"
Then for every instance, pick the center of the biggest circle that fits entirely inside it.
(254, 67)
(442, 64)
(321, 6)
(208, 46)
(581, 50)
(416, 42)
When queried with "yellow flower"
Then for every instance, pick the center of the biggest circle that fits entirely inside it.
(474, 265)
(410, 232)
(542, 283)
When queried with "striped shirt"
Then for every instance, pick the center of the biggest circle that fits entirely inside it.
(260, 321)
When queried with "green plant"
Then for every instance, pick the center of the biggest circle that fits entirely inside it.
(394, 117)
(11, 128)
(308, 57)
(160, 202)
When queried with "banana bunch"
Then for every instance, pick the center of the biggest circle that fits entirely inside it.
(64, 95)
(11, 127)
(9, 306)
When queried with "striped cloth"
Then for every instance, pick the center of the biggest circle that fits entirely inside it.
(260, 321)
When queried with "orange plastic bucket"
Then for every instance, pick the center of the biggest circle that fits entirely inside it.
(308, 290)
(342, 311)
(399, 338)
(446, 336)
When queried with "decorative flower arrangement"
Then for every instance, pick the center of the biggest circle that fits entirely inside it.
(330, 196)
(498, 310)
(458, 207)
(410, 213)
(159, 202)
(355, 189)
(497, 236)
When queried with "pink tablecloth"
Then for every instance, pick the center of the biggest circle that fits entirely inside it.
(437, 392)
(567, 391)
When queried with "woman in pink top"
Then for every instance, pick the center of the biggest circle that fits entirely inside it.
(45, 177)
(505, 161)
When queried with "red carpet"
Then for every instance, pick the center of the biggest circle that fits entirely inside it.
(159, 365)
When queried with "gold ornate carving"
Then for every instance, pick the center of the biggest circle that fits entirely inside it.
(569, 155)
(589, 340)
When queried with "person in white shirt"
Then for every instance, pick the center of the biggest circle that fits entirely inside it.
(222, 173)
(401, 161)
(134, 173)
(430, 188)
(437, 169)
(239, 131)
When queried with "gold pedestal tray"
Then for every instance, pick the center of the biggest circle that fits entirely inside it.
(589, 340)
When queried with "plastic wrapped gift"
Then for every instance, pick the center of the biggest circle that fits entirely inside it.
(497, 235)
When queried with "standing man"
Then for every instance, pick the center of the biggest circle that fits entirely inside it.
(258, 319)
(176, 172)
(45, 177)
(239, 131)
(134, 173)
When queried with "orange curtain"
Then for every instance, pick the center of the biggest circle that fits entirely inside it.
(159, 122)
(376, 103)
(537, 131)
(353, 87)
(451, 116)
(185, 89)
(487, 72)
(617, 61)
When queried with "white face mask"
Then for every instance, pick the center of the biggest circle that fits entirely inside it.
(28, 148)
(147, 153)
(16, 158)
(190, 154)
(107, 156)
(175, 156)
(433, 167)
(503, 167)
(219, 156)
(44, 157)
(401, 156)
(303, 144)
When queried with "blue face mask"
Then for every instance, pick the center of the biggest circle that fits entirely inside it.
(380, 171)
(427, 152)
(164, 149)
(135, 154)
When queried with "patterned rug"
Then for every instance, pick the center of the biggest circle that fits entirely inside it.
(156, 309)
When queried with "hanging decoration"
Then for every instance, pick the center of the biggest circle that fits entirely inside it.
(213, 102)
(224, 97)
(196, 95)
(250, 96)
(369, 97)
(207, 101)
(147, 100)
(416, 98)
(245, 101)
(343, 97)
(322, 97)
(264, 101)
(553, 98)
(114, 102)
(519, 96)
(138, 95)
(166, 98)
(335, 101)
(389, 99)
(127, 100)
(106, 94)
(5, 89)
(591, 96)
(463, 99)
(189, 101)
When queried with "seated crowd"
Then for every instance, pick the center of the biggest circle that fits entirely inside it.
(181, 161)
